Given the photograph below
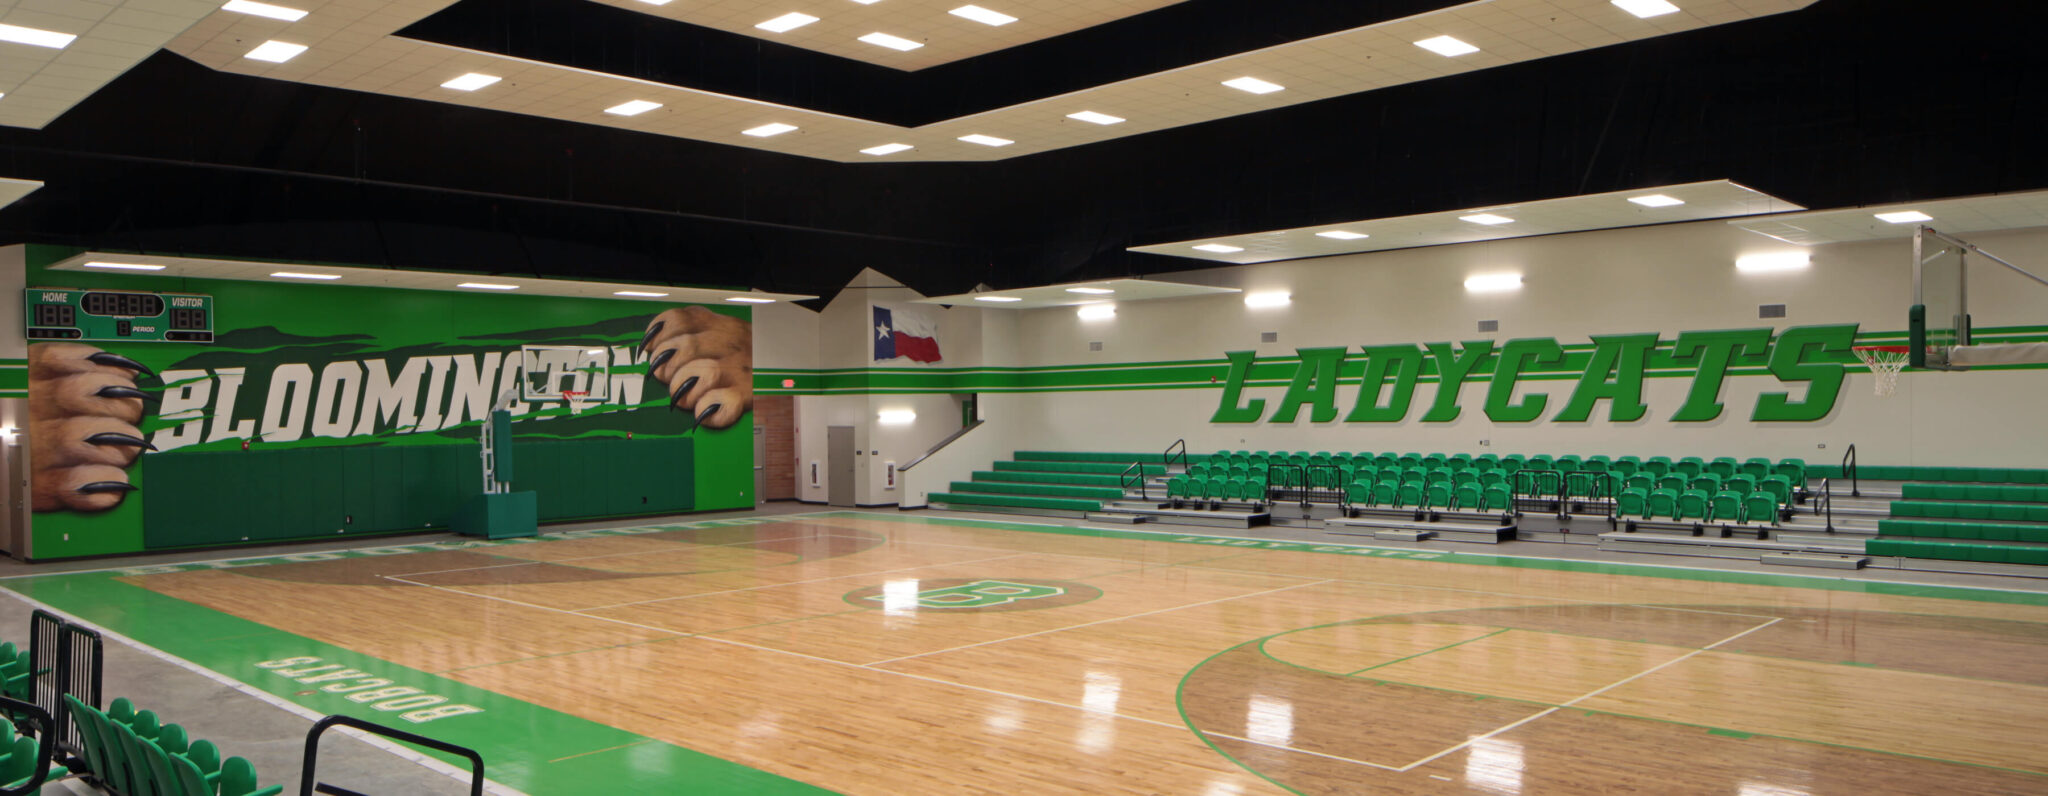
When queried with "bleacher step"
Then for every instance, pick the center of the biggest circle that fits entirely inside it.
(1397, 535)
(1821, 560)
(1202, 517)
(1117, 517)
(1442, 531)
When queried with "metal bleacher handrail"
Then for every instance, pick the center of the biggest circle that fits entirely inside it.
(1135, 473)
(1849, 471)
(1824, 503)
(307, 780)
(1177, 453)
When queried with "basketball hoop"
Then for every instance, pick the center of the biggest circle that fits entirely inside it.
(1885, 363)
(575, 399)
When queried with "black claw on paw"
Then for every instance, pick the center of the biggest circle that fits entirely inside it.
(681, 390)
(115, 391)
(117, 438)
(98, 487)
(116, 360)
(708, 412)
(660, 359)
(651, 332)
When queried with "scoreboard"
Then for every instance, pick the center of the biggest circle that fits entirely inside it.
(117, 315)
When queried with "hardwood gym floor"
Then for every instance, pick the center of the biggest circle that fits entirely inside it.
(878, 654)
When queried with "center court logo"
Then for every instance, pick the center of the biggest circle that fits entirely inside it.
(973, 594)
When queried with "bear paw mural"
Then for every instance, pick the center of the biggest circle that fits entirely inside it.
(706, 360)
(83, 411)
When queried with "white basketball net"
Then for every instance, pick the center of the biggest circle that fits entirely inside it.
(1885, 365)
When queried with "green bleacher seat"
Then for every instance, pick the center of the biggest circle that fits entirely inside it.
(1437, 495)
(1723, 466)
(1459, 461)
(1466, 497)
(1658, 465)
(1794, 470)
(1367, 474)
(1707, 482)
(1691, 466)
(1779, 487)
(1725, 506)
(1486, 462)
(1632, 502)
(1462, 478)
(1411, 494)
(1597, 464)
(1743, 483)
(1568, 463)
(1386, 493)
(1409, 460)
(1642, 481)
(1541, 461)
(1438, 475)
(1760, 508)
(1692, 505)
(1674, 481)
(1627, 465)
(1538, 482)
(1493, 478)
(1664, 503)
(1495, 498)
(1756, 468)
(1513, 462)
(1359, 493)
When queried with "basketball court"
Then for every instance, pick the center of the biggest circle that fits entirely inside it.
(863, 652)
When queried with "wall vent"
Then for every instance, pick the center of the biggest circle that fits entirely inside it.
(1489, 326)
(1770, 311)
(1095, 345)
(1269, 337)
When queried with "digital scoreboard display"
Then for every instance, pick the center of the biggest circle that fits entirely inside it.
(117, 315)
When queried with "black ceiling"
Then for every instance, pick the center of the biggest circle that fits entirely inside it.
(1848, 102)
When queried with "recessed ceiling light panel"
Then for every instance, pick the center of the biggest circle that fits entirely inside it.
(891, 42)
(1341, 234)
(1253, 85)
(886, 149)
(1656, 200)
(787, 22)
(1775, 261)
(1447, 46)
(1095, 118)
(749, 300)
(487, 286)
(1493, 283)
(1218, 248)
(1904, 217)
(997, 299)
(264, 10)
(471, 81)
(1097, 312)
(986, 140)
(35, 36)
(276, 52)
(1267, 299)
(638, 293)
(772, 128)
(302, 275)
(126, 266)
(1091, 291)
(982, 15)
(1646, 8)
(634, 108)
(1488, 219)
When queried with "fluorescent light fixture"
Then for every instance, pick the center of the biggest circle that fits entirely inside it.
(1775, 261)
(997, 299)
(886, 149)
(1646, 8)
(1488, 219)
(891, 42)
(1904, 217)
(126, 266)
(1446, 46)
(1267, 299)
(1097, 312)
(487, 286)
(986, 140)
(634, 108)
(471, 81)
(1342, 234)
(749, 300)
(771, 128)
(1493, 283)
(982, 15)
(787, 22)
(1091, 291)
(1253, 85)
(264, 10)
(896, 417)
(657, 2)
(39, 38)
(276, 52)
(303, 275)
(1656, 200)
(638, 293)
(1096, 118)
(1218, 248)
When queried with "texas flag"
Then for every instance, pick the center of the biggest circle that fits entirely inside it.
(905, 333)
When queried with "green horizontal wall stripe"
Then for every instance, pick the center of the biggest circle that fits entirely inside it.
(1267, 372)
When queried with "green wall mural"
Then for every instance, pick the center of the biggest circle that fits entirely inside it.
(327, 409)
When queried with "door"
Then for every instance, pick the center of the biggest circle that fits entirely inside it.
(839, 467)
(760, 464)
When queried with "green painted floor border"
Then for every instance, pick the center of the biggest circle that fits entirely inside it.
(1821, 582)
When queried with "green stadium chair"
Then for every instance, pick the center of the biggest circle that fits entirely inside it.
(1658, 465)
(1541, 461)
(1177, 488)
(1320, 460)
(1367, 474)
(1597, 464)
(1756, 468)
(1359, 493)
(1466, 496)
(1386, 493)
(1409, 460)
(1723, 466)
(1414, 475)
(1794, 470)
(238, 778)
(1513, 462)
(1198, 470)
(1459, 461)
(1626, 465)
(1725, 506)
(1439, 475)
(1664, 503)
(1676, 482)
(1760, 508)
(1386, 460)
(1493, 478)
(1486, 462)
(1707, 482)
(1740, 482)
(1437, 496)
(1390, 475)
(1568, 463)
(1692, 505)
(1692, 466)
(1496, 498)
(1632, 502)
(1464, 478)
(1539, 483)
(1779, 487)
(1432, 461)
(1642, 481)
(1411, 495)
